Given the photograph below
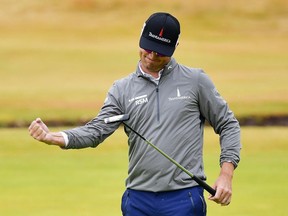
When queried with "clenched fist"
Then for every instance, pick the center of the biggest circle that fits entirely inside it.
(39, 131)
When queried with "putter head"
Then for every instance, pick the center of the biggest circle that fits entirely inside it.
(117, 118)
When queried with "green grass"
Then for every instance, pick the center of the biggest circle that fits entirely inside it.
(260, 181)
(37, 179)
(58, 59)
(41, 180)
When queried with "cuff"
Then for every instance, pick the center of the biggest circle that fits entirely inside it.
(65, 136)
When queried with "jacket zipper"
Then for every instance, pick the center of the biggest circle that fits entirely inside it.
(157, 96)
(158, 104)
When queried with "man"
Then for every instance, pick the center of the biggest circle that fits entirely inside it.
(168, 104)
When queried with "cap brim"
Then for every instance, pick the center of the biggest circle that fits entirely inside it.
(156, 47)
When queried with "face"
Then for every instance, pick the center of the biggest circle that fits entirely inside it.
(151, 62)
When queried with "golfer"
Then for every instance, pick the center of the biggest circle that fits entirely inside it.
(168, 103)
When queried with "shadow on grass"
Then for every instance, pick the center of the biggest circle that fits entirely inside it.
(272, 120)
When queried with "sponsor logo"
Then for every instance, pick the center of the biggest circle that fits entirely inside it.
(159, 37)
(161, 32)
(139, 100)
(179, 96)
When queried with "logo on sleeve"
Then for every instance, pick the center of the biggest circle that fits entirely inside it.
(139, 100)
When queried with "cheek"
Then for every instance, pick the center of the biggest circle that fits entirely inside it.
(142, 55)
(166, 60)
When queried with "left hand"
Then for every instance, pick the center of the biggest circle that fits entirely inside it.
(223, 185)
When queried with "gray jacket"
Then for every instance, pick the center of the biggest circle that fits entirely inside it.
(171, 115)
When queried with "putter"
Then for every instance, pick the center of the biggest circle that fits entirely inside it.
(125, 117)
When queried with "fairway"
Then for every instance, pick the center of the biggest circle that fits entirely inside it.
(72, 54)
(41, 180)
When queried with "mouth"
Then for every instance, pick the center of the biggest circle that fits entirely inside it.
(151, 60)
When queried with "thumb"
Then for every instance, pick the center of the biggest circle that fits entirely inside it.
(41, 123)
(210, 196)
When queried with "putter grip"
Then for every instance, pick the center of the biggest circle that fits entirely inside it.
(204, 185)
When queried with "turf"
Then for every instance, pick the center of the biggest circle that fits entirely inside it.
(58, 59)
(37, 179)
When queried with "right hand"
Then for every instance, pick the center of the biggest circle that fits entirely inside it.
(39, 131)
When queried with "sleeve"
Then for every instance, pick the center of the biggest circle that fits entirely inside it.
(216, 111)
(96, 131)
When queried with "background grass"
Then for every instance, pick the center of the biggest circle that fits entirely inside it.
(37, 179)
(59, 58)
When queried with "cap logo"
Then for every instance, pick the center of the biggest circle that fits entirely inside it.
(161, 32)
(159, 38)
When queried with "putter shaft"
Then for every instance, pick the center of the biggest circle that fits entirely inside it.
(195, 178)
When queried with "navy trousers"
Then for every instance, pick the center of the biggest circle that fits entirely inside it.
(184, 202)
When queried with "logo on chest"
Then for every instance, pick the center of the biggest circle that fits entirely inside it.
(139, 100)
(179, 96)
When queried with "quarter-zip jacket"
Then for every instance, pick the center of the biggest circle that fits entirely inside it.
(171, 115)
